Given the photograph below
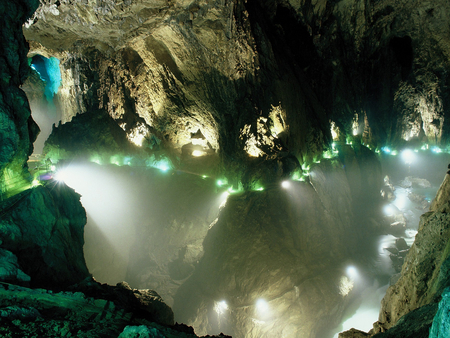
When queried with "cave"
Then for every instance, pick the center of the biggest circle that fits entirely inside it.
(244, 168)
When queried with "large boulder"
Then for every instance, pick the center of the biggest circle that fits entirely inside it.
(44, 228)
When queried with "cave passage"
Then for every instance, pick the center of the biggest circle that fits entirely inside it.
(42, 95)
(133, 211)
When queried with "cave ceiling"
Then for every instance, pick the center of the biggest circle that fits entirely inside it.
(256, 78)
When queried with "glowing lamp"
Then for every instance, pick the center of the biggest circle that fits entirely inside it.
(285, 184)
(352, 272)
(262, 306)
(52, 168)
(220, 307)
(436, 150)
(60, 176)
(389, 210)
(197, 153)
(386, 150)
(408, 156)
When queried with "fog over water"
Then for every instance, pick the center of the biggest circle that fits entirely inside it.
(123, 202)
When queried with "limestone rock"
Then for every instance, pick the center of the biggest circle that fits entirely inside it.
(10, 271)
(424, 273)
(44, 229)
(270, 257)
(353, 333)
(414, 182)
(441, 322)
(442, 196)
(415, 324)
(42, 313)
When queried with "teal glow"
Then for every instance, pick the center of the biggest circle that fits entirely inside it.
(386, 150)
(436, 150)
(49, 72)
(162, 165)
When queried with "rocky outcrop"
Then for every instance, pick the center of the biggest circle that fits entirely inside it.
(98, 311)
(273, 261)
(44, 228)
(17, 128)
(424, 273)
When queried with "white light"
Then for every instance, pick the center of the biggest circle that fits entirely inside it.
(389, 210)
(220, 307)
(408, 156)
(61, 175)
(262, 306)
(35, 183)
(355, 132)
(352, 272)
(198, 153)
(52, 168)
(285, 184)
(223, 199)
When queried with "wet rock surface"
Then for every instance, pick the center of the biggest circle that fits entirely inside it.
(94, 310)
(279, 247)
(44, 229)
(424, 271)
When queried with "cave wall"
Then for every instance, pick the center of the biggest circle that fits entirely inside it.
(222, 66)
(41, 228)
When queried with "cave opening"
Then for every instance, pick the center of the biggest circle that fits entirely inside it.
(42, 94)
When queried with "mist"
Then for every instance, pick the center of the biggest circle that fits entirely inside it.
(146, 226)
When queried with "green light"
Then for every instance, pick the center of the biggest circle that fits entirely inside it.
(96, 159)
(35, 183)
(162, 165)
(394, 153)
(114, 160)
(204, 176)
(260, 189)
(424, 147)
(221, 182)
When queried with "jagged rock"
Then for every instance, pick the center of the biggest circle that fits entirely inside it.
(401, 244)
(44, 229)
(442, 195)
(415, 182)
(145, 303)
(415, 324)
(416, 198)
(424, 273)
(353, 333)
(9, 269)
(441, 321)
(28, 312)
(392, 250)
(267, 245)
(16, 312)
